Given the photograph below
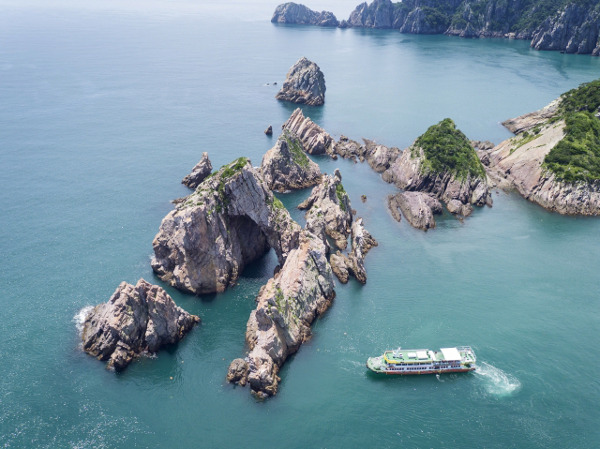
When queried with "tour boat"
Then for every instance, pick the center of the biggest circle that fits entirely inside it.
(424, 361)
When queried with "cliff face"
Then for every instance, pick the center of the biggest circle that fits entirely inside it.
(136, 319)
(315, 139)
(230, 220)
(571, 26)
(286, 306)
(294, 13)
(575, 29)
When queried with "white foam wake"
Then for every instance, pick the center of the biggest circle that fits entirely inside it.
(496, 381)
(79, 318)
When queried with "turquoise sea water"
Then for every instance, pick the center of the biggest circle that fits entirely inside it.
(103, 110)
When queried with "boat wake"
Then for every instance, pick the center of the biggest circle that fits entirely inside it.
(496, 381)
(79, 318)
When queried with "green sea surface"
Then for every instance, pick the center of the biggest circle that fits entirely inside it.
(103, 110)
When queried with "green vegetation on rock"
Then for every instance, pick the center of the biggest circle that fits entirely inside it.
(447, 149)
(341, 193)
(577, 156)
(295, 147)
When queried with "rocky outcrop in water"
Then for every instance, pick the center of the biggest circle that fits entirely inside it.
(230, 220)
(353, 264)
(199, 172)
(379, 157)
(286, 166)
(286, 306)
(136, 319)
(314, 138)
(294, 13)
(517, 163)
(417, 207)
(304, 84)
(269, 131)
(328, 211)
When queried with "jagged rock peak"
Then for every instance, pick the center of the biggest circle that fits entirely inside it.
(286, 306)
(287, 167)
(295, 13)
(328, 211)
(230, 220)
(136, 319)
(314, 138)
(200, 171)
(304, 84)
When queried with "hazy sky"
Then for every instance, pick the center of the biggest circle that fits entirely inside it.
(238, 9)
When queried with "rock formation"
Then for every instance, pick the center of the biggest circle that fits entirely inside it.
(299, 14)
(518, 163)
(135, 320)
(286, 306)
(379, 157)
(328, 211)
(314, 139)
(353, 264)
(418, 208)
(199, 172)
(287, 167)
(460, 184)
(230, 220)
(570, 26)
(304, 84)
(269, 131)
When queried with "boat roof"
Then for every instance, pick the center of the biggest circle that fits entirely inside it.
(450, 354)
(461, 353)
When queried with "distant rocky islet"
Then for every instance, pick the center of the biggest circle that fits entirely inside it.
(571, 26)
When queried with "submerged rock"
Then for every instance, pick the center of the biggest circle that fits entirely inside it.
(199, 172)
(136, 319)
(286, 306)
(304, 84)
(287, 167)
(230, 220)
(328, 211)
(299, 14)
(314, 139)
(418, 208)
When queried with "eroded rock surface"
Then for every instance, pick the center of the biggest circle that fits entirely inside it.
(200, 171)
(136, 319)
(379, 157)
(286, 306)
(417, 207)
(230, 220)
(304, 84)
(328, 211)
(314, 138)
(362, 242)
(287, 167)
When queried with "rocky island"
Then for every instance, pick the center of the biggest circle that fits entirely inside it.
(136, 319)
(554, 159)
(294, 13)
(441, 162)
(304, 84)
(570, 26)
